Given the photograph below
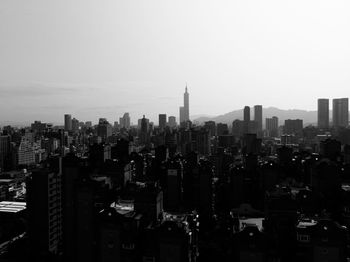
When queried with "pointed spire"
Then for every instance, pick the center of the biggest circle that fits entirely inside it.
(186, 88)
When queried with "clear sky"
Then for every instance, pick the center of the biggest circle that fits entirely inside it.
(101, 58)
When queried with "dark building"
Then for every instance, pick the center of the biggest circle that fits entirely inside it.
(162, 121)
(272, 126)
(149, 202)
(323, 113)
(67, 122)
(172, 185)
(211, 127)
(44, 213)
(320, 240)
(246, 119)
(177, 241)
(258, 116)
(104, 129)
(340, 112)
(293, 127)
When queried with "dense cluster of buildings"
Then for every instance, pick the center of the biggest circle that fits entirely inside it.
(250, 191)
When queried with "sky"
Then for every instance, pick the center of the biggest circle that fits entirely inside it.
(101, 58)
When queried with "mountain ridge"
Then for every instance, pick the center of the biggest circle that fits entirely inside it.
(308, 117)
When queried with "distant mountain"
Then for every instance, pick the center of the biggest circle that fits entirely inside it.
(308, 117)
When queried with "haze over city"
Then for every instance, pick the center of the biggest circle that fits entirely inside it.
(101, 59)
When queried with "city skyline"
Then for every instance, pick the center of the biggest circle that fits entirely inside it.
(101, 60)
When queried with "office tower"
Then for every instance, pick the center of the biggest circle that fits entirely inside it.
(238, 128)
(4, 151)
(221, 129)
(185, 109)
(211, 127)
(75, 124)
(144, 134)
(272, 126)
(88, 124)
(186, 105)
(125, 121)
(172, 121)
(202, 141)
(67, 122)
(44, 212)
(172, 184)
(26, 153)
(246, 119)
(258, 117)
(246, 114)
(162, 121)
(293, 126)
(323, 113)
(340, 112)
(182, 115)
(104, 129)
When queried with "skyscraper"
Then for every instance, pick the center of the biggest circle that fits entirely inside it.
(172, 121)
(162, 121)
(323, 113)
(258, 117)
(186, 105)
(44, 211)
(185, 110)
(67, 122)
(272, 126)
(246, 119)
(124, 121)
(340, 112)
(246, 114)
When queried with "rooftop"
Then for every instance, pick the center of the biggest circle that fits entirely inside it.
(12, 207)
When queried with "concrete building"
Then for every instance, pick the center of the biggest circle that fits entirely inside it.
(323, 113)
(340, 112)
(67, 122)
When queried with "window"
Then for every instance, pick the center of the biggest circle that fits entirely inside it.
(129, 246)
(303, 238)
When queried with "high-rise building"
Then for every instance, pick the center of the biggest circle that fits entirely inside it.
(293, 126)
(125, 121)
(341, 112)
(75, 124)
(323, 113)
(258, 117)
(182, 115)
(67, 122)
(162, 121)
(104, 129)
(246, 119)
(186, 105)
(172, 121)
(4, 151)
(272, 126)
(44, 212)
(246, 114)
(26, 153)
(144, 132)
(185, 109)
(211, 127)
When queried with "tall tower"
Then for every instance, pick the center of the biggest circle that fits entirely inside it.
(186, 105)
(258, 117)
(341, 112)
(162, 121)
(323, 113)
(246, 119)
(67, 122)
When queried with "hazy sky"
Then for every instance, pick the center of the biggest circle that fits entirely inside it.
(101, 58)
